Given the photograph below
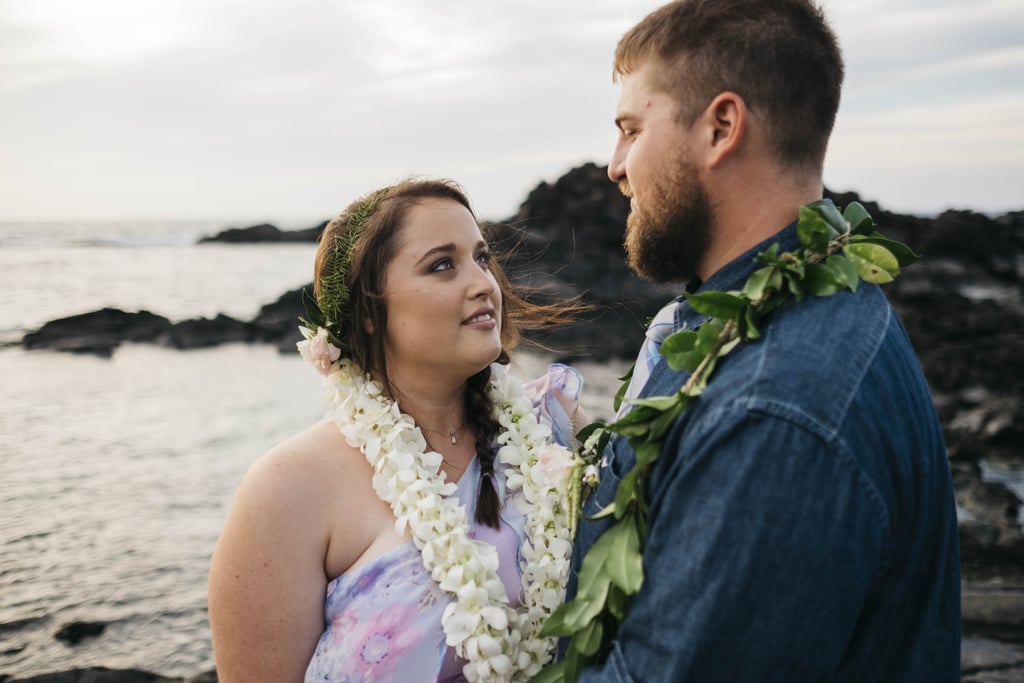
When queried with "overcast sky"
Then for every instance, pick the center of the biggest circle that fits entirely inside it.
(250, 110)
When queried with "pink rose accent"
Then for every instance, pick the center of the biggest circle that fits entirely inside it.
(324, 353)
(319, 352)
(556, 462)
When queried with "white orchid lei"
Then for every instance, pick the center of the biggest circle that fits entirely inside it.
(500, 643)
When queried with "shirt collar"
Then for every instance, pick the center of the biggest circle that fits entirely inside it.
(733, 275)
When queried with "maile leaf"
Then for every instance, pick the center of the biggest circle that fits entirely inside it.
(621, 393)
(678, 350)
(844, 271)
(563, 620)
(588, 641)
(728, 346)
(830, 213)
(819, 280)
(664, 422)
(716, 304)
(707, 336)
(647, 452)
(859, 219)
(700, 382)
(624, 562)
(626, 493)
(789, 263)
(633, 423)
(591, 595)
(749, 330)
(641, 522)
(813, 230)
(606, 511)
(572, 664)
(904, 254)
(617, 601)
(793, 283)
(758, 282)
(659, 403)
(769, 256)
(587, 431)
(874, 263)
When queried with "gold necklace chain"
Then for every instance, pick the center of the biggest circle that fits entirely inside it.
(460, 468)
(451, 435)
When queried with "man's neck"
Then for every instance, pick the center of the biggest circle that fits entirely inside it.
(748, 213)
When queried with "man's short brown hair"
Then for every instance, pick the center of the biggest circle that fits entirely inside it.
(780, 56)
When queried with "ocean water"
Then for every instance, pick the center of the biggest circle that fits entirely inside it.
(116, 474)
(53, 270)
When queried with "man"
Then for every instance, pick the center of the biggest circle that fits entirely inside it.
(802, 525)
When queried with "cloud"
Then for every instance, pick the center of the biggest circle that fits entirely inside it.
(285, 111)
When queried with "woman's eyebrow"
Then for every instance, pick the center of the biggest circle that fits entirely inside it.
(447, 249)
(434, 251)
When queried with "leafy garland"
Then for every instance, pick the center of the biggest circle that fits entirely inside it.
(331, 310)
(836, 252)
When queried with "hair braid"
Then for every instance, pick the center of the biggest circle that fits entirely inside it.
(480, 418)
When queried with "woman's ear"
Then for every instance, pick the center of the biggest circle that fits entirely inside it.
(369, 326)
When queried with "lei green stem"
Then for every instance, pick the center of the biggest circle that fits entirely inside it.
(837, 251)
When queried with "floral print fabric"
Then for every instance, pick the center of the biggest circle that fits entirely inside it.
(383, 620)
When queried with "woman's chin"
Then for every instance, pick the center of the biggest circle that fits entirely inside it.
(484, 360)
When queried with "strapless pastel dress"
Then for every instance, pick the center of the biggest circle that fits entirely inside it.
(383, 619)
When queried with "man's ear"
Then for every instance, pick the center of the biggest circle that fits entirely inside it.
(725, 124)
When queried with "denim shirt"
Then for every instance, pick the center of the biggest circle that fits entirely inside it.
(802, 525)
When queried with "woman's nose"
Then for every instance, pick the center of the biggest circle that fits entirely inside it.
(483, 283)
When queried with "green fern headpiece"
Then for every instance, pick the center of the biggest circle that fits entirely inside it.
(331, 310)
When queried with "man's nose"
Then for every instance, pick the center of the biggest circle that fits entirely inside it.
(617, 165)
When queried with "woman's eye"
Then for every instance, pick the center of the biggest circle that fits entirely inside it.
(443, 264)
(484, 258)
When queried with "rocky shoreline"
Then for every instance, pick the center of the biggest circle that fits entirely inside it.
(99, 674)
(962, 306)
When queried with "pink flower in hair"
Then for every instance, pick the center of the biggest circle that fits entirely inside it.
(317, 350)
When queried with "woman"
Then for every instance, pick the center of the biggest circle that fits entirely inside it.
(424, 507)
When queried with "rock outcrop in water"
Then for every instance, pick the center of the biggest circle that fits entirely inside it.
(76, 631)
(102, 331)
(263, 233)
(99, 674)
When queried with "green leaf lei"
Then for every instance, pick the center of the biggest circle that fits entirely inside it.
(837, 251)
(331, 309)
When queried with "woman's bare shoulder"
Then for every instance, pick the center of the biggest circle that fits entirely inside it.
(307, 468)
(267, 575)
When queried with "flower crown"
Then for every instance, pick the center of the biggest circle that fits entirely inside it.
(327, 327)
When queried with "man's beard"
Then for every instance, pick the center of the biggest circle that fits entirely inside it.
(667, 238)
